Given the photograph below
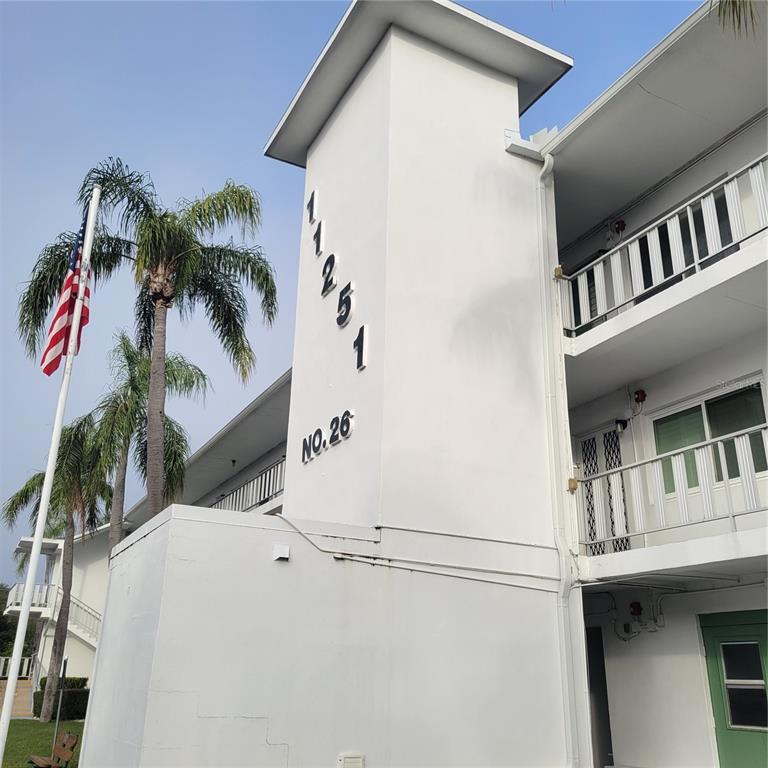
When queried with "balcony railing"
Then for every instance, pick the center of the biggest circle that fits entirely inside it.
(46, 598)
(716, 480)
(25, 668)
(690, 238)
(257, 491)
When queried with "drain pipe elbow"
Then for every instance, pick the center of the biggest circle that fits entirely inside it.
(546, 169)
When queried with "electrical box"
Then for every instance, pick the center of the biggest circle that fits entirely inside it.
(350, 760)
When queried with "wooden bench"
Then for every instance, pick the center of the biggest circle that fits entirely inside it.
(62, 753)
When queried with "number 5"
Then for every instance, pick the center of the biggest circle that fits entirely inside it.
(345, 305)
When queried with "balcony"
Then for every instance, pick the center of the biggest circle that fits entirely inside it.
(694, 236)
(257, 492)
(677, 496)
(46, 603)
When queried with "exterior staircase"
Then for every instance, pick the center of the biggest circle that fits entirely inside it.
(22, 701)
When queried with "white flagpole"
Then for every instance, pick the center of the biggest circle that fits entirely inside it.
(45, 496)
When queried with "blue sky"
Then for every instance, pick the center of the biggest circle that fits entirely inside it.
(191, 92)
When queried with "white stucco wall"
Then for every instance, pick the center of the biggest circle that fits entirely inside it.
(658, 694)
(90, 570)
(436, 225)
(736, 153)
(213, 653)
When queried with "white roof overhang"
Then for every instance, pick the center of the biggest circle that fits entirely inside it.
(694, 88)
(359, 32)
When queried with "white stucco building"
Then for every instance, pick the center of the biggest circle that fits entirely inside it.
(522, 446)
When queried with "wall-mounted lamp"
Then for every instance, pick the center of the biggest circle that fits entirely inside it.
(621, 425)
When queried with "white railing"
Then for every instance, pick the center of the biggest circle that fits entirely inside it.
(80, 615)
(25, 668)
(47, 597)
(257, 491)
(41, 595)
(716, 480)
(671, 248)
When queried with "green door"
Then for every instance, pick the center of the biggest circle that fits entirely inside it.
(737, 661)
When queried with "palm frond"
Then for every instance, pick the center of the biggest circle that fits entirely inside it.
(129, 194)
(226, 308)
(250, 265)
(27, 496)
(182, 377)
(739, 15)
(42, 291)
(175, 454)
(235, 204)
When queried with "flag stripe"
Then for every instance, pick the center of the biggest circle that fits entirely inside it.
(58, 335)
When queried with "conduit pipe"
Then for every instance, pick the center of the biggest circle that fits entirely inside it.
(555, 421)
(388, 562)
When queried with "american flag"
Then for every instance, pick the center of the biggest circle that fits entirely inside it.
(58, 335)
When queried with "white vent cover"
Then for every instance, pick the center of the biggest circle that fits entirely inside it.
(350, 760)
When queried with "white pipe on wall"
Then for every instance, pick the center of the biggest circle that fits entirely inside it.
(559, 453)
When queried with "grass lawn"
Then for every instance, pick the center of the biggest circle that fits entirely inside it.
(31, 737)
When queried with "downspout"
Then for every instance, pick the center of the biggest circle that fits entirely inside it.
(564, 554)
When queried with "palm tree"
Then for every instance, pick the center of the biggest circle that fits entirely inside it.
(739, 15)
(122, 417)
(79, 494)
(173, 263)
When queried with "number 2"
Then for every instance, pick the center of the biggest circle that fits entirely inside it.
(329, 283)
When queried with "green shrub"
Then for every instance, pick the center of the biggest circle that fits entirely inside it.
(69, 683)
(74, 703)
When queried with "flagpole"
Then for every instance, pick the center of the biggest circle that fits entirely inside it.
(45, 496)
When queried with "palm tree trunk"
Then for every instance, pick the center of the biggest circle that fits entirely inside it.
(118, 501)
(156, 411)
(60, 634)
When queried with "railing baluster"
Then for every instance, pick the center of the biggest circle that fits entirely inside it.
(726, 483)
(617, 279)
(617, 500)
(635, 268)
(660, 494)
(711, 229)
(735, 213)
(601, 528)
(676, 245)
(757, 180)
(566, 304)
(586, 315)
(692, 232)
(638, 498)
(600, 295)
(681, 486)
(704, 471)
(747, 472)
(654, 251)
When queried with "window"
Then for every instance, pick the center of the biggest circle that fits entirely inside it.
(732, 413)
(713, 418)
(744, 685)
(677, 431)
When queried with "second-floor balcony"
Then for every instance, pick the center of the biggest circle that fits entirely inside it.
(706, 489)
(266, 487)
(46, 604)
(697, 234)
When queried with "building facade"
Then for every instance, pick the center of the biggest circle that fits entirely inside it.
(524, 435)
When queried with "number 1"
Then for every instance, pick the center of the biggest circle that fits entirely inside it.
(361, 347)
